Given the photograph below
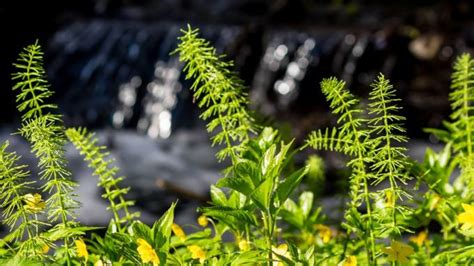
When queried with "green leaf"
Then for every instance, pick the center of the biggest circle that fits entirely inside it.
(236, 200)
(289, 184)
(248, 170)
(60, 232)
(262, 194)
(268, 162)
(242, 185)
(142, 230)
(251, 257)
(162, 228)
(239, 214)
(291, 213)
(218, 197)
(267, 138)
(305, 202)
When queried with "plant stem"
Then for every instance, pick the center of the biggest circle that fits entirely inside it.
(371, 258)
(268, 232)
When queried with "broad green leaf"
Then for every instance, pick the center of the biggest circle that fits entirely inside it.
(239, 214)
(218, 197)
(291, 213)
(267, 137)
(289, 184)
(162, 228)
(281, 157)
(240, 184)
(236, 200)
(59, 232)
(252, 257)
(262, 194)
(305, 202)
(309, 255)
(268, 162)
(248, 170)
(200, 235)
(142, 230)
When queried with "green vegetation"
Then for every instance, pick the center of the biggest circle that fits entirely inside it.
(259, 202)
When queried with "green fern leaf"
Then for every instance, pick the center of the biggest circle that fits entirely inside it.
(219, 92)
(86, 143)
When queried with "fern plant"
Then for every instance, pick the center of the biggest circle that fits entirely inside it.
(372, 143)
(389, 159)
(44, 131)
(219, 92)
(96, 156)
(460, 131)
(256, 201)
(352, 138)
(23, 222)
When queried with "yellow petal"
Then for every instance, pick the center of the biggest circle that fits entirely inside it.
(420, 238)
(45, 249)
(244, 245)
(468, 207)
(178, 231)
(146, 252)
(466, 218)
(202, 221)
(81, 248)
(33, 203)
(398, 251)
(390, 200)
(325, 232)
(281, 250)
(350, 261)
(392, 255)
(197, 253)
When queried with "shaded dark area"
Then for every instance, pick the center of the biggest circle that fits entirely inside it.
(109, 63)
(104, 57)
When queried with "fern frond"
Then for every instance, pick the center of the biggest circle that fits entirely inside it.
(31, 83)
(45, 132)
(389, 159)
(219, 92)
(86, 143)
(352, 129)
(387, 132)
(330, 140)
(351, 126)
(13, 186)
(462, 127)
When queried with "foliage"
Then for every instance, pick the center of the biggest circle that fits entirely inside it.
(259, 203)
(96, 156)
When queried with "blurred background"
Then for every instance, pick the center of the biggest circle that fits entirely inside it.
(109, 63)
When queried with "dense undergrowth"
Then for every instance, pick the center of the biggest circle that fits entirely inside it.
(259, 201)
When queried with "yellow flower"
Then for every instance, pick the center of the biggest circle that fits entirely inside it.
(45, 249)
(435, 202)
(244, 245)
(467, 217)
(349, 261)
(99, 263)
(390, 200)
(81, 248)
(197, 253)
(398, 252)
(178, 231)
(202, 221)
(324, 232)
(281, 250)
(33, 203)
(146, 252)
(420, 238)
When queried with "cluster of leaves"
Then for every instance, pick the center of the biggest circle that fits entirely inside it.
(259, 213)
